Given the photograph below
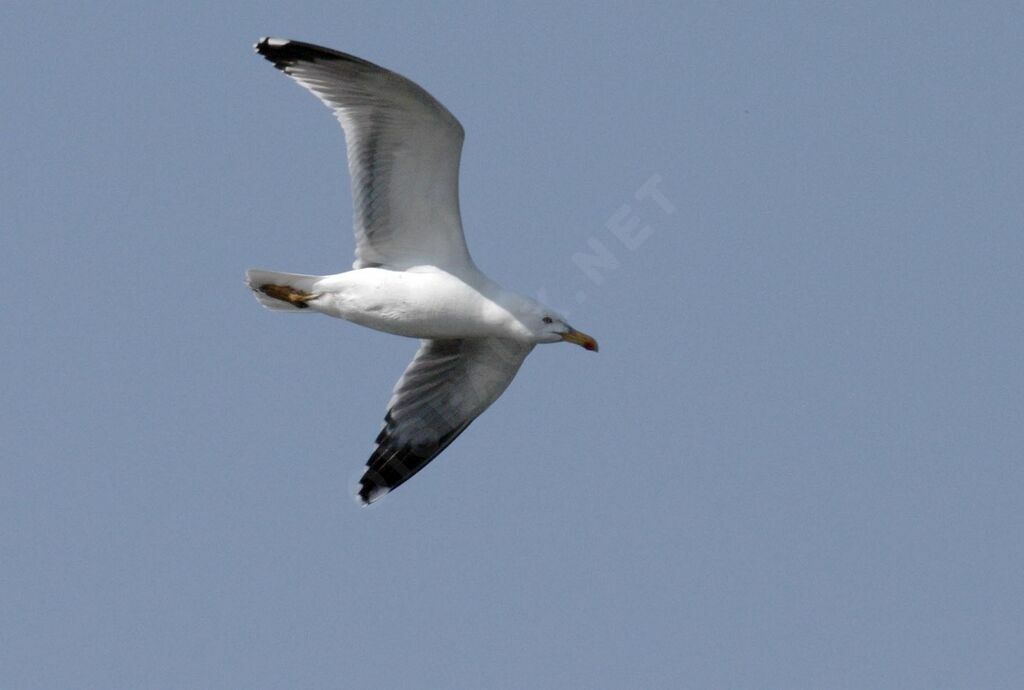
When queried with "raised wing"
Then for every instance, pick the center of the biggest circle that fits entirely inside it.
(403, 156)
(448, 384)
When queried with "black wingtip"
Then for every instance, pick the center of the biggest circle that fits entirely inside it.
(279, 51)
(284, 52)
(370, 492)
(262, 46)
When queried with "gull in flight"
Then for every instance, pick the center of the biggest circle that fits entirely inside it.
(413, 275)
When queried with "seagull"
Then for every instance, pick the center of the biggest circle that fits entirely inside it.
(413, 275)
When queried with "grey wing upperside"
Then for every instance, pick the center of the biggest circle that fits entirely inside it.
(448, 384)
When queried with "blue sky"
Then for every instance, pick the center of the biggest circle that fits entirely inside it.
(796, 461)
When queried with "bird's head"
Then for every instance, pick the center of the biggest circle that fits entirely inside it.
(548, 326)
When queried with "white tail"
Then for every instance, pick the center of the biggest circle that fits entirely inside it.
(301, 283)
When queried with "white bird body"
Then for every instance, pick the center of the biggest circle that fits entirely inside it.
(413, 275)
(421, 302)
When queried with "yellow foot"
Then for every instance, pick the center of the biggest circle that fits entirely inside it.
(288, 294)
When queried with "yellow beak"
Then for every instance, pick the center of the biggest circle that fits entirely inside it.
(580, 338)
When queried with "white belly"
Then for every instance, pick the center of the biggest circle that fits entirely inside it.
(418, 304)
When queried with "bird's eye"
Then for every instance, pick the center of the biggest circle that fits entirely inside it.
(546, 319)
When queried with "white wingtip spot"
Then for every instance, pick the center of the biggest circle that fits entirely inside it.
(271, 42)
(374, 495)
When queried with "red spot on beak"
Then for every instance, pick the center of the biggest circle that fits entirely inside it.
(579, 338)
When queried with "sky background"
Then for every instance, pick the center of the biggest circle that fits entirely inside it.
(795, 463)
